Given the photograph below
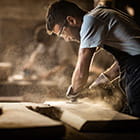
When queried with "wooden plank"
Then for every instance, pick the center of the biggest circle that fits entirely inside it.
(17, 120)
(90, 117)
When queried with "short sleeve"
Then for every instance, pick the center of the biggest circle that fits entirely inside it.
(93, 32)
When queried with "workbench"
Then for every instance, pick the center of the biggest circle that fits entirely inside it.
(59, 119)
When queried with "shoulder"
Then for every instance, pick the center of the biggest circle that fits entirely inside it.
(100, 13)
(90, 21)
(104, 13)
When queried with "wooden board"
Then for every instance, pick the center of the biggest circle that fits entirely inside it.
(16, 120)
(90, 117)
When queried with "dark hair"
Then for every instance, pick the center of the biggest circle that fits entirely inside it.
(58, 11)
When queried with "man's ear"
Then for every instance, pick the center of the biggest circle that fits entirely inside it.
(71, 20)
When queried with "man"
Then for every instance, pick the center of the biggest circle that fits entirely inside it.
(103, 27)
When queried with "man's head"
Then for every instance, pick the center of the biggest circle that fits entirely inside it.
(64, 19)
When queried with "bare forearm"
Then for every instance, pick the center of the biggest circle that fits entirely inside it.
(79, 79)
(81, 71)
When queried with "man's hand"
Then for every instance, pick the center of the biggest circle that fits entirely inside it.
(102, 80)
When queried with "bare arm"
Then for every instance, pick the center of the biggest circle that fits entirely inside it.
(81, 72)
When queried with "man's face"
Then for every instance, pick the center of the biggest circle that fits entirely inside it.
(68, 31)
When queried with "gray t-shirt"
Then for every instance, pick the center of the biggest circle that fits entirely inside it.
(105, 26)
